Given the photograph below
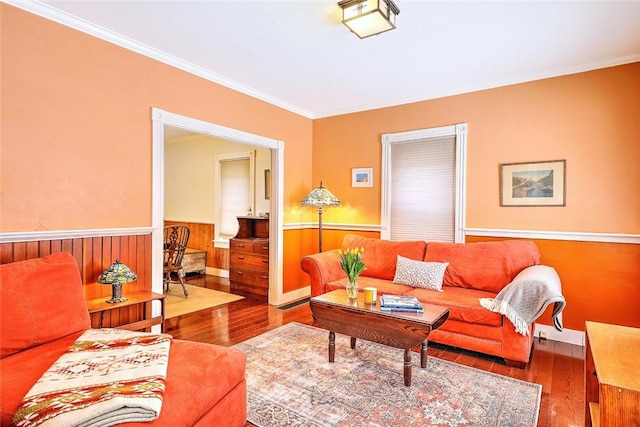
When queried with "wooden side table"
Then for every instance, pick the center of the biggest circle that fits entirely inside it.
(99, 305)
(612, 375)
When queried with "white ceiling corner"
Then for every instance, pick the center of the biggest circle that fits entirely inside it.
(297, 55)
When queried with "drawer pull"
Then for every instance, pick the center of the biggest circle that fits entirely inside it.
(266, 248)
(240, 257)
(241, 246)
(264, 277)
(240, 273)
(266, 261)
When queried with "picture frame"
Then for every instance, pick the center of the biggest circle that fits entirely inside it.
(541, 183)
(267, 184)
(362, 177)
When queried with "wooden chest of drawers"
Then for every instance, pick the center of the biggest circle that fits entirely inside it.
(249, 256)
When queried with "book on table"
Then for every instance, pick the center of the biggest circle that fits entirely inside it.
(400, 302)
(402, 309)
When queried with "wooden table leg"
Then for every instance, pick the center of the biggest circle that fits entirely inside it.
(353, 343)
(407, 367)
(332, 346)
(423, 354)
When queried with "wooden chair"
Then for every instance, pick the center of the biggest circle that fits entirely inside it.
(176, 238)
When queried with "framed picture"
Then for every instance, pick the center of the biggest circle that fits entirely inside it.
(362, 177)
(533, 184)
(267, 184)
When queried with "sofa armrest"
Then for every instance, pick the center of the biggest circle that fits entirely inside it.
(322, 268)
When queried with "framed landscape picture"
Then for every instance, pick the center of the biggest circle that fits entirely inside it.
(533, 184)
(362, 177)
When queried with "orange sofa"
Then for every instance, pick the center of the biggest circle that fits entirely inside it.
(42, 312)
(475, 270)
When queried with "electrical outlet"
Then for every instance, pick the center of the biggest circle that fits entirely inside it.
(542, 335)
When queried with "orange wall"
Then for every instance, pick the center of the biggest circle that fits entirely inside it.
(600, 281)
(76, 131)
(590, 119)
(76, 127)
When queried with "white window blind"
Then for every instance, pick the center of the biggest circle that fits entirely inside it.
(422, 191)
(234, 194)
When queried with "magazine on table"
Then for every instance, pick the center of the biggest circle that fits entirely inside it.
(400, 301)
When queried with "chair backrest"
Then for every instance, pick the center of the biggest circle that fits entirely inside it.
(176, 238)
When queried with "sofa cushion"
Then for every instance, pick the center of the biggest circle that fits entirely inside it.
(380, 256)
(19, 372)
(464, 304)
(487, 266)
(192, 389)
(41, 300)
(419, 274)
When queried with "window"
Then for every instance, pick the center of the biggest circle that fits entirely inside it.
(234, 189)
(423, 184)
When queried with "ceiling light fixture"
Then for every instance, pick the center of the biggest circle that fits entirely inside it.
(369, 17)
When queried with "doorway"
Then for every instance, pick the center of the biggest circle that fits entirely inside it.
(161, 119)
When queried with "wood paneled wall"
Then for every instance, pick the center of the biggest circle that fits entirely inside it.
(94, 255)
(201, 237)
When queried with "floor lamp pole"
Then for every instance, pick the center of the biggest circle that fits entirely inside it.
(320, 229)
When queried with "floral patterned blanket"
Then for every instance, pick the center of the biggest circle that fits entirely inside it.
(107, 377)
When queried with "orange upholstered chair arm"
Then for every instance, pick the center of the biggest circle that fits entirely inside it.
(322, 268)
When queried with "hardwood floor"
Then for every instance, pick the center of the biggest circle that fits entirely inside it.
(558, 367)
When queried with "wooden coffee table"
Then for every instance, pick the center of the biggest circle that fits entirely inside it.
(335, 312)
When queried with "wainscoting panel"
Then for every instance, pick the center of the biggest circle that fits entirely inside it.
(94, 255)
(201, 237)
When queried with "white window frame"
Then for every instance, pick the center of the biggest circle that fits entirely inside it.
(460, 133)
(221, 242)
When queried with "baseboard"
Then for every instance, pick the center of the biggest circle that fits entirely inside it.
(568, 336)
(293, 304)
(217, 272)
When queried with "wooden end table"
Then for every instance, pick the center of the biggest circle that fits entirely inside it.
(335, 312)
(99, 305)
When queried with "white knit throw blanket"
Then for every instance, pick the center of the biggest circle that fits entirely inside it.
(107, 377)
(527, 296)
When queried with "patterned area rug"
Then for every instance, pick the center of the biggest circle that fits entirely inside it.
(291, 383)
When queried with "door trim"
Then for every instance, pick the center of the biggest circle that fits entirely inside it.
(160, 118)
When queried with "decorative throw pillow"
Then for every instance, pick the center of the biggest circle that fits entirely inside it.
(420, 274)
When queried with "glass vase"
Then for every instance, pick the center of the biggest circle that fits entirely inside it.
(352, 289)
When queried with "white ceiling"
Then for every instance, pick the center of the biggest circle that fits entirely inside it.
(297, 54)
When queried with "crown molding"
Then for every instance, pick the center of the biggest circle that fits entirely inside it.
(61, 17)
(421, 96)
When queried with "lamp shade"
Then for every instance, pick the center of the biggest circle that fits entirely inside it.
(117, 273)
(320, 197)
(367, 18)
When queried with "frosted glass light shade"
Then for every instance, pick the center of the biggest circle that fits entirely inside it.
(367, 18)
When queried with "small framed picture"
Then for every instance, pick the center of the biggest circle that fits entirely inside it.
(533, 184)
(267, 184)
(362, 177)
